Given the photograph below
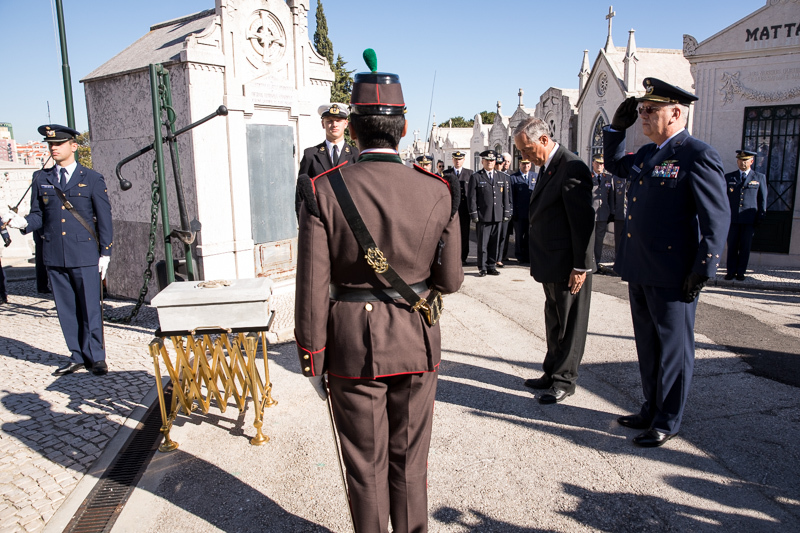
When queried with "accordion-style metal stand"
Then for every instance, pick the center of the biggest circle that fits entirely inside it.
(216, 364)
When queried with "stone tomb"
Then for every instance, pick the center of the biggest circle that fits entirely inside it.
(239, 171)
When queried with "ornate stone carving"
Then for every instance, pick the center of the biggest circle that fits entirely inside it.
(689, 45)
(602, 84)
(732, 85)
(266, 36)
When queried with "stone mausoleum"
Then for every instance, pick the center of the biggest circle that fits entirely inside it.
(239, 171)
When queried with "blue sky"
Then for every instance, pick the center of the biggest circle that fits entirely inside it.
(481, 51)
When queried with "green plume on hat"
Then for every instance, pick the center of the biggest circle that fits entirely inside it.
(371, 59)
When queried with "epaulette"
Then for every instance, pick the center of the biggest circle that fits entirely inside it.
(452, 185)
(306, 188)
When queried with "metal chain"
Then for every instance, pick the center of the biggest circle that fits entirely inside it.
(147, 275)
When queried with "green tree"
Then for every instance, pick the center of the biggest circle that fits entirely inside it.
(322, 42)
(457, 122)
(84, 154)
(342, 83)
(487, 117)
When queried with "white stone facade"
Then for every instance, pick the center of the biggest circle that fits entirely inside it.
(750, 73)
(254, 57)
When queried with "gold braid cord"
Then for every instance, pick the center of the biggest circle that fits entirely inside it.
(377, 261)
(206, 367)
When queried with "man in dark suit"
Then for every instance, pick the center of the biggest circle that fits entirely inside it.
(674, 234)
(747, 194)
(462, 175)
(521, 184)
(331, 152)
(6, 243)
(603, 203)
(489, 206)
(76, 257)
(380, 355)
(561, 225)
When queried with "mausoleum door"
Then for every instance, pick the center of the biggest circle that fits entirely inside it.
(270, 159)
(773, 132)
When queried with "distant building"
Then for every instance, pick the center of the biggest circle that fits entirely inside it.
(8, 150)
(33, 153)
(6, 130)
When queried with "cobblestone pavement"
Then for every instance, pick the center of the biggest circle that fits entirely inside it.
(53, 428)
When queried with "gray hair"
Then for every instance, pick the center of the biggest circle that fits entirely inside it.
(533, 128)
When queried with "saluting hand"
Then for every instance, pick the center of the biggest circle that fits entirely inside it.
(626, 114)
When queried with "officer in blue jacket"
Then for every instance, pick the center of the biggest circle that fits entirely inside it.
(675, 231)
(76, 258)
(747, 194)
(521, 184)
(489, 206)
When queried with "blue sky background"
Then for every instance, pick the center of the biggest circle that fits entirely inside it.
(481, 51)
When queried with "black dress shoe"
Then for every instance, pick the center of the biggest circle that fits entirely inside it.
(493, 272)
(100, 368)
(554, 395)
(540, 383)
(652, 438)
(636, 421)
(44, 291)
(68, 368)
(739, 277)
(728, 277)
(481, 273)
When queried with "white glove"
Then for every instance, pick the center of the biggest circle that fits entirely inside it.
(17, 222)
(102, 265)
(6, 216)
(318, 382)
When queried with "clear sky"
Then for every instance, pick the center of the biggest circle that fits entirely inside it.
(481, 51)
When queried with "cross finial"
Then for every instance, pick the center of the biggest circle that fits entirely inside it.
(611, 15)
(520, 93)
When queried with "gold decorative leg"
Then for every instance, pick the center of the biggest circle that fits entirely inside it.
(166, 422)
(251, 345)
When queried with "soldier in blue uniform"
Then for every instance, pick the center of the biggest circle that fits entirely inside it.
(747, 194)
(603, 204)
(76, 258)
(425, 162)
(674, 234)
(521, 184)
(489, 206)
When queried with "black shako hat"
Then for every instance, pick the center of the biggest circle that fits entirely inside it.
(661, 91)
(56, 133)
(376, 93)
(745, 154)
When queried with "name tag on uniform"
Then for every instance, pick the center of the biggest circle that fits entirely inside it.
(46, 187)
(636, 169)
(667, 169)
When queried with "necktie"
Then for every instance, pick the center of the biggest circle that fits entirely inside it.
(491, 178)
(458, 173)
(743, 176)
(335, 156)
(63, 181)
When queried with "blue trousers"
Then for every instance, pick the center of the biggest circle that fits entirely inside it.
(663, 326)
(77, 295)
(740, 240)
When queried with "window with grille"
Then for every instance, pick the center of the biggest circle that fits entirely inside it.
(597, 137)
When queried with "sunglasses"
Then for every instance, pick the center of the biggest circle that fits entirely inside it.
(649, 109)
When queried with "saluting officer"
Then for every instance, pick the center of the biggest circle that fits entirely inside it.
(603, 203)
(489, 206)
(674, 234)
(331, 152)
(747, 194)
(462, 175)
(74, 260)
(381, 356)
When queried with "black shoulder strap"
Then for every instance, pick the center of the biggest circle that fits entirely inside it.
(374, 256)
(77, 215)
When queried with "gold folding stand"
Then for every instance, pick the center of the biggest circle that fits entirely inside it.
(200, 372)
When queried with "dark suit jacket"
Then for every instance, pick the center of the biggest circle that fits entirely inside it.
(408, 213)
(66, 243)
(747, 199)
(561, 219)
(678, 214)
(317, 160)
(463, 182)
(602, 197)
(489, 202)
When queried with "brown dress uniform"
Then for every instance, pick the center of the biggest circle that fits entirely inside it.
(381, 356)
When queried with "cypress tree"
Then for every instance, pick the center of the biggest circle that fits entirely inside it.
(322, 42)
